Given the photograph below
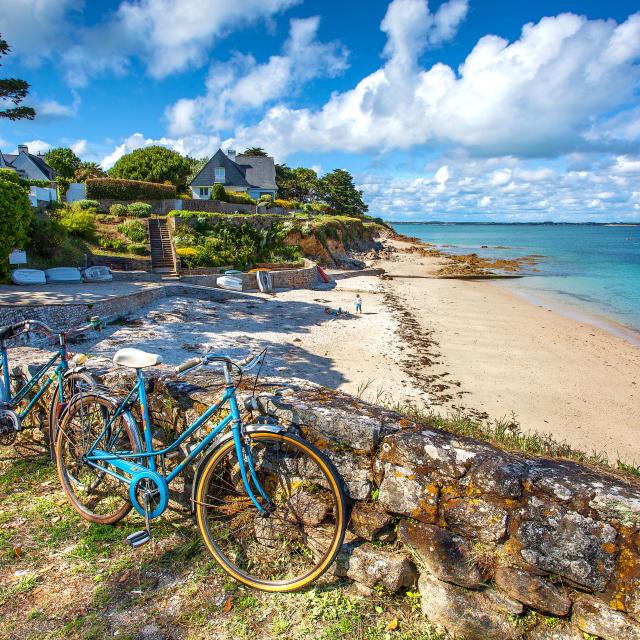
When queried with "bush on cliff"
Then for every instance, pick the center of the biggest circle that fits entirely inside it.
(14, 222)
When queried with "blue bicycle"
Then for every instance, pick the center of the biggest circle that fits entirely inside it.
(19, 395)
(269, 505)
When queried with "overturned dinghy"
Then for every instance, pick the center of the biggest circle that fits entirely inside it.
(60, 275)
(229, 282)
(97, 274)
(265, 284)
(28, 276)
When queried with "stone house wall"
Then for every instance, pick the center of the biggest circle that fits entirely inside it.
(500, 545)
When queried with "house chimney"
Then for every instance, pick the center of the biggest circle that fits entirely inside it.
(231, 154)
(22, 148)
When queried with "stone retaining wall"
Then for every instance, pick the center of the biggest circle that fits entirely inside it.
(61, 316)
(160, 207)
(217, 206)
(500, 545)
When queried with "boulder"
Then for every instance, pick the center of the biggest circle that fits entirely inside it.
(371, 522)
(533, 591)
(476, 518)
(566, 543)
(405, 492)
(594, 616)
(500, 475)
(444, 554)
(373, 566)
(463, 613)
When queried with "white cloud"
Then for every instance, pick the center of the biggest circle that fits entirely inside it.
(472, 193)
(168, 36)
(441, 177)
(242, 84)
(538, 96)
(500, 178)
(198, 146)
(80, 147)
(36, 146)
(52, 109)
(626, 165)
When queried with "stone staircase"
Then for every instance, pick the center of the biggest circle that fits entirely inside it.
(162, 256)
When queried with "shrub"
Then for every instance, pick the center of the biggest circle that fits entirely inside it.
(287, 204)
(118, 209)
(266, 197)
(84, 205)
(115, 189)
(79, 222)
(134, 230)
(239, 197)
(139, 209)
(47, 236)
(139, 248)
(15, 221)
(219, 193)
(109, 242)
(9, 175)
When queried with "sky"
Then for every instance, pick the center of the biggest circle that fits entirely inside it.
(457, 110)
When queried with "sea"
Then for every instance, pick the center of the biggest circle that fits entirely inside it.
(589, 268)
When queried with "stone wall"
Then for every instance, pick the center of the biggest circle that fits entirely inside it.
(500, 545)
(160, 207)
(217, 206)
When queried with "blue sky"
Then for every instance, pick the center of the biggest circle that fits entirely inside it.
(456, 110)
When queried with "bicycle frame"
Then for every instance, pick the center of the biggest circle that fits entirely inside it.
(133, 463)
(11, 401)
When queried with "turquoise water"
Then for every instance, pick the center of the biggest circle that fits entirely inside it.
(596, 267)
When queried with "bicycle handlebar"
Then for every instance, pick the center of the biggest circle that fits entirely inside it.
(245, 364)
(25, 326)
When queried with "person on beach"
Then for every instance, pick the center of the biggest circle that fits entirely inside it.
(358, 303)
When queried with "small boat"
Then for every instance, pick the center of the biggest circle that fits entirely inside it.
(232, 272)
(97, 274)
(323, 276)
(229, 282)
(60, 275)
(265, 283)
(28, 276)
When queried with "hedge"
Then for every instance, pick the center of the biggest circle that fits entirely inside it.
(15, 222)
(113, 189)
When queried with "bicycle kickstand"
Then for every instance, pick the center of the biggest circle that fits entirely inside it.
(138, 538)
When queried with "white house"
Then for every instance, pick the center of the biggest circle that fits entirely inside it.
(27, 165)
(255, 175)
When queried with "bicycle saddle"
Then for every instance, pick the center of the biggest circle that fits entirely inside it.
(136, 358)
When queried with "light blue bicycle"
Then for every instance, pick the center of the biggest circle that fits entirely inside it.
(269, 505)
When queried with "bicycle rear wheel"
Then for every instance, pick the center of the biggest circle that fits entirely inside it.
(93, 493)
(72, 383)
(304, 528)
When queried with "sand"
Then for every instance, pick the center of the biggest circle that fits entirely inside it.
(440, 344)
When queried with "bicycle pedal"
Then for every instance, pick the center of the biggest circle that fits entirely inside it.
(138, 538)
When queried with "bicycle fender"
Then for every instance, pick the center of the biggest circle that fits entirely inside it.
(217, 443)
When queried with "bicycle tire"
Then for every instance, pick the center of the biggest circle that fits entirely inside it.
(83, 496)
(295, 533)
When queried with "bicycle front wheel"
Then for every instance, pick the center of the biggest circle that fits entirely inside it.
(96, 495)
(302, 529)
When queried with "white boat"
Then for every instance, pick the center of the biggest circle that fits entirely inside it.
(28, 276)
(265, 283)
(97, 274)
(63, 275)
(229, 282)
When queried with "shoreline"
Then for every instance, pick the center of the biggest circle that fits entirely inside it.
(561, 302)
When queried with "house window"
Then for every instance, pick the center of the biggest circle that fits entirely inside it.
(204, 191)
(219, 174)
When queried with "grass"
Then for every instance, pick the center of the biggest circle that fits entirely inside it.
(77, 581)
(508, 434)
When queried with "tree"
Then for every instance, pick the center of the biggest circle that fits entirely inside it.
(218, 193)
(195, 166)
(296, 184)
(15, 221)
(153, 164)
(255, 151)
(14, 90)
(88, 170)
(339, 192)
(63, 161)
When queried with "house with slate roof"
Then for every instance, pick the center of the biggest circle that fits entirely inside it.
(27, 165)
(255, 175)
